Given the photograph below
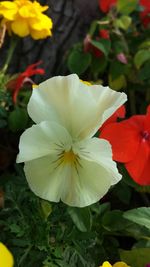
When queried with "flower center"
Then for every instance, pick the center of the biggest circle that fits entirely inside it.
(69, 157)
(146, 135)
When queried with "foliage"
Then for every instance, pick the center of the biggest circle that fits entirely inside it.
(118, 49)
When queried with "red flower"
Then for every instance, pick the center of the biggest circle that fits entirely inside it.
(104, 34)
(120, 113)
(145, 14)
(106, 5)
(89, 47)
(130, 140)
(16, 84)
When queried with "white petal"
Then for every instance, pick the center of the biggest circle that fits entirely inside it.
(99, 151)
(86, 184)
(75, 188)
(78, 107)
(41, 140)
(44, 179)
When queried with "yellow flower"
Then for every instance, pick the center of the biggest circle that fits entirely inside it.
(24, 17)
(106, 264)
(120, 264)
(117, 264)
(6, 258)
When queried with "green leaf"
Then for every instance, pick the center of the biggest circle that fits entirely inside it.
(123, 22)
(145, 44)
(103, 45)
(117, 69)
(136, 257)
(3, 123)
(18, 119)
(139, 216)
(144, 73)
(46, 208)
(118, 83)
(126, 7)
(81, 218)
(93, 28)
(78, 61)
(141, 56)
(122, 191)
(114, 221)
(98, 66)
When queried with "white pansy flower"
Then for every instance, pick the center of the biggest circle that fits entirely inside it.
(62, 159)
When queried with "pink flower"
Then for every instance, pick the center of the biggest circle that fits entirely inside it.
(122, 58)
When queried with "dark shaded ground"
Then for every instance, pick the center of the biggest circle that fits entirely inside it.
(71, 21)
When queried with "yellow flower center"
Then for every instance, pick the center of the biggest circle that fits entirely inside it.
(69, 157)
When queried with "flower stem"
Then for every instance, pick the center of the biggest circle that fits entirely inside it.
(132, 101)
(11, 49)
(24, 255)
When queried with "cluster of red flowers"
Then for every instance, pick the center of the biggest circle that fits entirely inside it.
(130, 140)
(106, 5)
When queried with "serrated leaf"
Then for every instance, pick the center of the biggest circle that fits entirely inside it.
(141, 57)
(78, 61)
(81, 217)
(140, 216)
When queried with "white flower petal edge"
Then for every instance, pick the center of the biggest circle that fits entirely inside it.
(76, 187)
(80, 108)
(42, 139)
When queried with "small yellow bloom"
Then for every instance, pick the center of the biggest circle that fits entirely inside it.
(120, 264)
(106, 264)
(24, 18)
(117, 264)
(6, 258)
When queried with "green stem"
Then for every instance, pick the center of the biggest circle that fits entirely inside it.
(132, 101)
(24, 255)
(9, 54)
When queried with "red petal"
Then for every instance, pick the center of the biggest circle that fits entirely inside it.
(31, 70)
(124, 138)
(145, 13)
(148, 109)
(147, 121)
(119, 113)
(105, 5)
(139, 167)
(104, 34)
